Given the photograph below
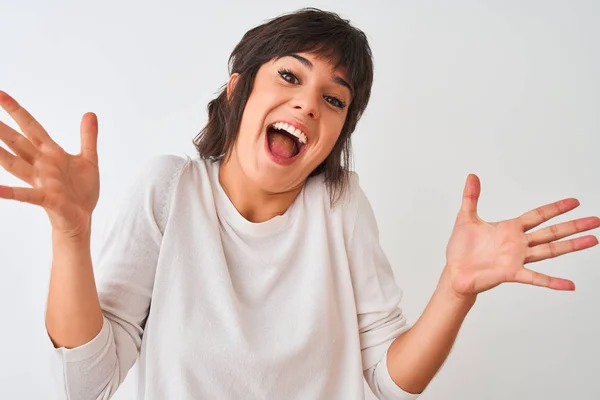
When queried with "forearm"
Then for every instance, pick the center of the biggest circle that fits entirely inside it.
(73, 314)
(415, 356)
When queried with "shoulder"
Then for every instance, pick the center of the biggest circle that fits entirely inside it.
(163, 168)
(153, 183)
(163, 172)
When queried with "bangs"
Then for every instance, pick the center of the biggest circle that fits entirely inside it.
(322, 34)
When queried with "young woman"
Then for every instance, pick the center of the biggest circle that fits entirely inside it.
(254, 270)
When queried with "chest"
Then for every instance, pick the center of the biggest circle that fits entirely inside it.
(265, 303)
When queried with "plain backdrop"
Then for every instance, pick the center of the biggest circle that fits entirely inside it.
(508, 90)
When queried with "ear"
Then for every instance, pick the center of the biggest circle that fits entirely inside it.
(231, 84)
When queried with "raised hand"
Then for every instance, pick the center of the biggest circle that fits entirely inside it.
(66, 186)
(481, 255)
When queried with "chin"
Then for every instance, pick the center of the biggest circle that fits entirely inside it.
(272, 178)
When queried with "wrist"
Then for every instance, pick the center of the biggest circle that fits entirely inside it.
(66, 238)
(76, 232)
(445, 290)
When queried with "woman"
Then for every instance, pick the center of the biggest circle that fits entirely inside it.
(254, 271)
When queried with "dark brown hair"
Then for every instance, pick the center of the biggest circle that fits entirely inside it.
(322, 33)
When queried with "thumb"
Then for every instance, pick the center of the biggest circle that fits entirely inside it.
(89, 137)
(470, 197)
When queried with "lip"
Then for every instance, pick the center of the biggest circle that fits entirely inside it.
(282, 161)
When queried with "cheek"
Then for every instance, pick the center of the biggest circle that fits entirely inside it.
(333, 131)
(251, 121)
(260, 103)
(330, 133)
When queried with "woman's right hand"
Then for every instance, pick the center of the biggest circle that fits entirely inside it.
(66, 186)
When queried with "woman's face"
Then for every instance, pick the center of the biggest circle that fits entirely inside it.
(311, 99)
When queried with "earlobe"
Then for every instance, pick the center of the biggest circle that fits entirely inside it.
(231, 84)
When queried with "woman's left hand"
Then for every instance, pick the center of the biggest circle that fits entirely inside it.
(481, 255)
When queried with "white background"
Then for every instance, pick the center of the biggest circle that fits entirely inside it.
(508, 90)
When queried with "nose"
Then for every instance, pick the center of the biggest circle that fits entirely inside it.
(307, 102)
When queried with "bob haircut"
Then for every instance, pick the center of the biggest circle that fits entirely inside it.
(321, 33)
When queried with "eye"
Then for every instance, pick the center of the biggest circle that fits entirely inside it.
(288, 76)
(334, 101)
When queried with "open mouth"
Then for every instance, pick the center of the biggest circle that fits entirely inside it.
(283, 144)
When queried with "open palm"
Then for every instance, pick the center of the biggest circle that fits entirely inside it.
(481, 255)
(67, 186)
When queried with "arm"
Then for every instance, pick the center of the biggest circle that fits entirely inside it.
(399, 360)
(125, 271)
(73, 314)
(480, 256)
(415, 356)
(376, 294)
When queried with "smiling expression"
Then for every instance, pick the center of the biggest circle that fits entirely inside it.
(304, 92)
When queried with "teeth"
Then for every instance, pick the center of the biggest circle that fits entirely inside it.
(292, 130)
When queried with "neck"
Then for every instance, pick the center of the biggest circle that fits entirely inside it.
(253, 203)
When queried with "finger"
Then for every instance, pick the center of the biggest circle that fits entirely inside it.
(16, 166)
(471, 194)
(555, 232)
(542, 214)
(25, 195)
(30, 127)
(17, 143)
(89, 137)
(530, 277)
(555, 249)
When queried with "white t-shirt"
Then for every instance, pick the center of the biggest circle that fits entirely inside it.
(216, 307)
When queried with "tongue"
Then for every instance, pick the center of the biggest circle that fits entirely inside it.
(281, 145)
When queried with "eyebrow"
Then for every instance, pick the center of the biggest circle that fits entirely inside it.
(335, 79)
